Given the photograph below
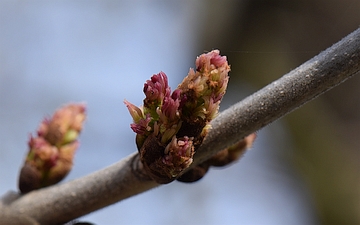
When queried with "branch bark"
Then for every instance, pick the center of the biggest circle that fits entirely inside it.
(64, 202)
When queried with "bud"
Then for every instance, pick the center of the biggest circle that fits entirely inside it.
(65, 125)
(221, 159)
(170, 126)
(178, 155)
(233, 153)
(51, 153)
(201, 93)
(204, 88)
(156, 89)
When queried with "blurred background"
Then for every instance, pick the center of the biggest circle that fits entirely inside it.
(303, 169)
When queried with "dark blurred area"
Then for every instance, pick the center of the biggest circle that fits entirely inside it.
(265, 39)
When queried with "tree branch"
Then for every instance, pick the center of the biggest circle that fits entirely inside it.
(64, 202)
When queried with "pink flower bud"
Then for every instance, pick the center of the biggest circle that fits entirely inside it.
(156, 89)
(64, 126)
(178, 155)
(175, 125)
(170, 108)
(51, 153)
(205, 87)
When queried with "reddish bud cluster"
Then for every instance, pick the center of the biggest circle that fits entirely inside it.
(51, 152)
(170, 127)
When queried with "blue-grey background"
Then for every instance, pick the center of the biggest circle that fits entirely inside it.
(56, 52)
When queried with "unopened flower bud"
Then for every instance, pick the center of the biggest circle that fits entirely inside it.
(178, 155)
(203, 90)
(51, 153)
(65, 125)
(156, 89)
(170, 127)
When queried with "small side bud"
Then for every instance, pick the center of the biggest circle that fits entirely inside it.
(51, 153)
(233, 153)
(194, 174)
(178, 155)
(222, 158)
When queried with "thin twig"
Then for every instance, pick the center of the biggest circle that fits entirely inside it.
(64, 202)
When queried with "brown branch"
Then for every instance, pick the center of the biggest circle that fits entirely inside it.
(64, 202)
